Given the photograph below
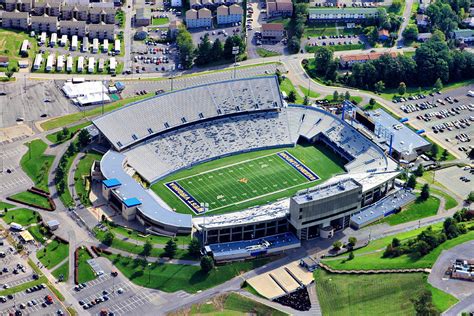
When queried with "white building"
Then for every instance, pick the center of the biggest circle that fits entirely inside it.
(91, 65)
(101, 65)
(63, 40)
(69, 62)
(95, 45)
(85, 93)
(42, 38)
(80, 64)
(229, 15)
(117, 46)
(50, 62)
(24, 46)
(105, 46)
(198, 18)
(112, 65)
(60, 63)
(85, 44)
(54, 40)
(37, 62)
(74, 42)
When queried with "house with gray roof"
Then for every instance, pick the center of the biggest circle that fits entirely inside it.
(15, 20)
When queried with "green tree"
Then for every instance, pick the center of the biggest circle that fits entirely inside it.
(207, 264)
(444, 154)
(424, 304)
(230, 43)
(291, 96)
(402, 88)
(184, 42)
(438, 85)
(470, 197)
(294, 45)
(379, 86)
(352, 241)
(323, 56)
(147, 247)
(347, 96)
(194, 247)
(9, 74)
(337, 245)
(335, 95)
(108, 238)
(410, 33)
(217, 51)
(434, 151)
(170, 248)
(419, 170)
(372, 101)
(425, 192)
(411, 183)
(396, 242)
(83, 138)
(351, 256)
(204, 50)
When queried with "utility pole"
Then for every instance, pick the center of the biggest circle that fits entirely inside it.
(235, 52)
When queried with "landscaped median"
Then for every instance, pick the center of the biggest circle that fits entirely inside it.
(82, 181)
(36, 164)
(53, 253)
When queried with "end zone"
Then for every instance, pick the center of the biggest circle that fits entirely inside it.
(299, 166)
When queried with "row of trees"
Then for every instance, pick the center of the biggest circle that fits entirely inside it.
(445, 15)
(206, 52)
(433, 60)
(429, 239)
(296, 27)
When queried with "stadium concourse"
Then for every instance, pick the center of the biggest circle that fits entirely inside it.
(159, 136)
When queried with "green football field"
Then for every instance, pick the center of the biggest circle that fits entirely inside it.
(245, 180)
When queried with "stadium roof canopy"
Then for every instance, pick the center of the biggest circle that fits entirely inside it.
(145, 118)
(133, 194)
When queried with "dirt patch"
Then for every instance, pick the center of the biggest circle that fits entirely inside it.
(14, 133)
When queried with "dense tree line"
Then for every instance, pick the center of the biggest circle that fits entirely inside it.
(296, 26)
(433, 61)
(429, 239)
(446, 15)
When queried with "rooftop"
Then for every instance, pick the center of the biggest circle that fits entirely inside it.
(322, 191)
(273, 27)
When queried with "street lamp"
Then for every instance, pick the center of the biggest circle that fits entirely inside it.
(235, 52)
(149, 271)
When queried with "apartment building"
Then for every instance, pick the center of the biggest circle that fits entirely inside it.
(273, 32)
(15, 20)
(44, 23)
(48, 7)
(341, 14)
(228, 15)
(18, 5)
(71, 28)
(102, 15)
(198, 18)
(279, 8)
(101, 31)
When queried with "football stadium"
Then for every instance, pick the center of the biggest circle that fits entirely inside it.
(236, 165)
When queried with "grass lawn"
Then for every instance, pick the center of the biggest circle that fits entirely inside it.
(133, 248)
(39, 233)
(22, 216)
(5, 205)
(120, 18)
(65, 196)
(368, 261)
(250, 179)
(22, 287)
(286, 86)
(233, 304)
(55, 252)
(75, 117)
(159, 21)
(53, 137)
(450, 201)
(389, 94)
(415, 210)
(370, 107)
(36, 164)
(10, 44)
(155, 239)
(262, 52)
(387, 294)
(62, 270)
(32, 198)
(328, 29)
(82, 176)
(85, 272)
(175, 277)
(310, 93)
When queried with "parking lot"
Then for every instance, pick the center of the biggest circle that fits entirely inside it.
(151, 56)
(458, 288)
(335, 40)
(220, 33)
(133, 87)
(116, 295)
(450, 116)
(458, 180)
(32, 100)
(34, 303)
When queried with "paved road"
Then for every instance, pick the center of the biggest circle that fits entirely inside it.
(406, 16)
